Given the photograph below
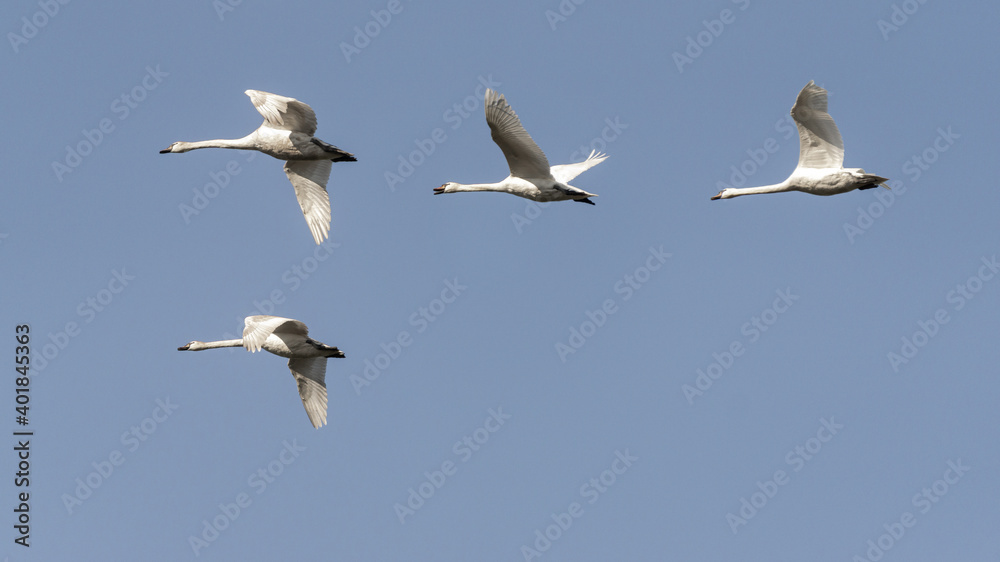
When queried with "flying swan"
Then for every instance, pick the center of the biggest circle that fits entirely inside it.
(531, 176)
(821, 154)
(287, 338)
(287, 134)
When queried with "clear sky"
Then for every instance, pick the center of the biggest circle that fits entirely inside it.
(657, 377)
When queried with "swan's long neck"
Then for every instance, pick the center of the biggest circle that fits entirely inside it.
(478, 187)
(774, 188)
(217, 344)
(243, 143)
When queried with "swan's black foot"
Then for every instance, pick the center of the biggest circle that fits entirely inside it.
(585, 200)
(868, 186)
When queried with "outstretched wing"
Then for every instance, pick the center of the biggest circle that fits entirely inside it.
(282, 112)
(310, 375)
(820, 144)
(524, 157)
(309, 179)
(566, 172)
(258, 328)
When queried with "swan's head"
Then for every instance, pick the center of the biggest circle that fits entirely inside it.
(191, 346)
(725, 194)
(446, 188)
(176, 147)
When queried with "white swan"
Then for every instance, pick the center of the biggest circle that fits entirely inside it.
(821, 154)
(287, 134)
(530, 176)
(287, 338)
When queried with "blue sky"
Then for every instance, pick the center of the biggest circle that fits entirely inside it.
(657, 377)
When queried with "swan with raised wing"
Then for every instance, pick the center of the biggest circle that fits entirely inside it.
(287, 338)
(287, 134)
(530, 176)
(821, 168)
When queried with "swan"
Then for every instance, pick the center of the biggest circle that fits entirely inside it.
(287, 338)
(821, 154)
(287, 134)
(530, 176)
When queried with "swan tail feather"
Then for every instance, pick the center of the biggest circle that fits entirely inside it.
(337, 155)
(872, 181)
(334, 352)
(329, 350)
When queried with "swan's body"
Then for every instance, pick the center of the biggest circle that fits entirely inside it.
(287, 134)
(287, 338)
(531, 176)
(821, 154)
